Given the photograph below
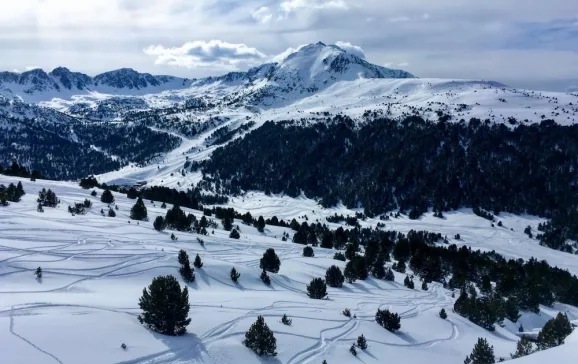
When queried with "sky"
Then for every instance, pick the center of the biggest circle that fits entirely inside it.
(526, 44)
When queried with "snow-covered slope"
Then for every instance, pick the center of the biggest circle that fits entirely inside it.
(95, 268)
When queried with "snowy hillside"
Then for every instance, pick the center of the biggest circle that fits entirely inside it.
(95, 267)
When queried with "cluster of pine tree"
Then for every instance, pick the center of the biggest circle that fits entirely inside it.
(461, 173)
(47, 198)
(11, 193)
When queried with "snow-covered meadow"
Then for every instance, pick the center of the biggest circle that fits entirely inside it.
(95, 268)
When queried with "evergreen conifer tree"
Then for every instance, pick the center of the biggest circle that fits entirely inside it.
(107, 196)
(234, 234)
(270, 261)
(523, 348)
(187, 273)
(339, 256)
(183, 257)
(317, 289)
(260, 338)
(349, 272)
(165, 307)
(286, 321)
(389, 276)
(443, 314)
(378, 269)
(408, 282)
(554, 332)
(235, 275)
(198, 262)
(111, 213)
(483, 353)
(38, 273)
(424, 285)
(139, 211)
(388, 320)
(308, 252)
(334, 277)
(352, 350)
(361, 342)
(159, 224)
(261, 224)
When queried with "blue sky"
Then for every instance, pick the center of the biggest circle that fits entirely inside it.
(517, 42)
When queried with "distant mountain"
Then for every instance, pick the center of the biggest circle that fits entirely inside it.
(310, 69)
(37, 85)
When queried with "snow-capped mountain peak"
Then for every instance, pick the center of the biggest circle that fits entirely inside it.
(37, 85)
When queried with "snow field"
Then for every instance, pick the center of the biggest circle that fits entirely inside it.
(95, 268)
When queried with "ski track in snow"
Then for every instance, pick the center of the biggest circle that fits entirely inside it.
(95, 268)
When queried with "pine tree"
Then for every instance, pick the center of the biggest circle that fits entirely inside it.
(443, 314)
(107, 197)
(378, 269)
(38, 273)
(408, 282)
(183, 257)
(350, 273)
(523, 348)
(265, 277)
(235, 275)
(111, 213)
(187, 273)
(173, 237)
(361, 268)
(350, 251)
(400, 266)
(270, 261)
(324, 362)
(260, 338)
(339, 256)
(234, 234)
(388, 320)
(352, 350)
(361, 342)
(308, 252)
(165, 307)
(317, 289)
(334, 277)
(159, 224)
(483, 353)
(389, 276)
(261, 224)
(198, 263)
(139, 211)
(93, 193)
(554, 332)
(424, 285)
(511, 309)
(286, 321)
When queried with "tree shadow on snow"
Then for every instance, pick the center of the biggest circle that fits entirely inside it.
(268, 359)
(203, 276)
(406, 337)
(186, 348)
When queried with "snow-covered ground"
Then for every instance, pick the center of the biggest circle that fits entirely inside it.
(95, 268)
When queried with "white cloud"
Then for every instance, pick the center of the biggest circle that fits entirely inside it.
(262, 15)
(403, 64)
(199, 54)
(351, 48)
(399, 19)
(281, 56)
(289, 6)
